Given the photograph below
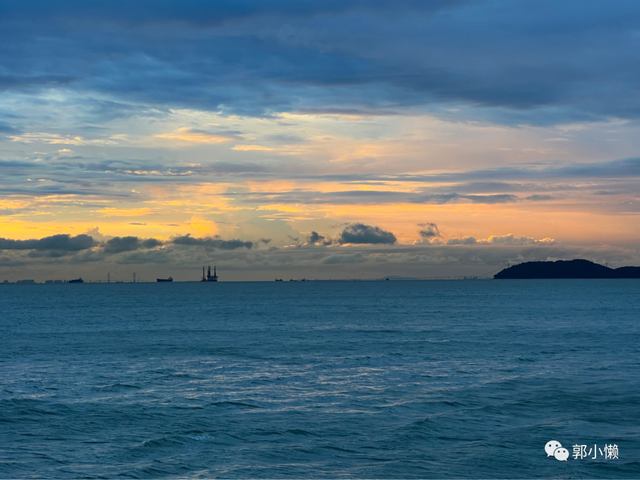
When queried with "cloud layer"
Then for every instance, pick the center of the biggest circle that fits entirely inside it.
(331, 135)
(360, 234)
(464, 256)
(63, 243)
(535, 62)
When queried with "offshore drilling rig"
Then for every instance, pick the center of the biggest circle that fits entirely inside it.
(209, 277)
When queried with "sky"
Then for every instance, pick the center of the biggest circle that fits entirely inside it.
(334, 139)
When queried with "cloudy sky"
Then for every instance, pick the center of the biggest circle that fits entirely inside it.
(327, 139)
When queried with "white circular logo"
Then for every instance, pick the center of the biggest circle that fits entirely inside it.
(551, 446)
(554, 449)
(561, 454)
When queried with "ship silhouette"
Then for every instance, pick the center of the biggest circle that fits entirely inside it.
(209, 277)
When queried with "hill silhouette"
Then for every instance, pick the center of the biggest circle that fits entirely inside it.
(566, 269)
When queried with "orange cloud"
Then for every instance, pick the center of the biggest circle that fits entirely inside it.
(249, 148)
(133, 212)
(56, 139)
(190, 135)
(202, 227)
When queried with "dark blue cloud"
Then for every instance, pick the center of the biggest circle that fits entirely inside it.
(316, 239)
(361, 234)
(197, 11)
(200, 12)
(5, 128)
(130, 243)
(212, 242)
(61, 243)
(370, 197)
(429, 231)
(23, 82)
(510, 61)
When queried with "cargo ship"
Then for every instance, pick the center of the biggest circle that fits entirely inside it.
(170, 279)
(77, 280)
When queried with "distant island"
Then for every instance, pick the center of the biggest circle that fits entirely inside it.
(566, 269)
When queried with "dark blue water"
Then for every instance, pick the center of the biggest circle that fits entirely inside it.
(317, 379)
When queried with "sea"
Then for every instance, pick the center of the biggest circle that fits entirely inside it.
(385, 379)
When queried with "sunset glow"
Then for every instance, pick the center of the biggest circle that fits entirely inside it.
(266, 127)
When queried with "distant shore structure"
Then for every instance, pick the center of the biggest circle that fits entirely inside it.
(209, 277)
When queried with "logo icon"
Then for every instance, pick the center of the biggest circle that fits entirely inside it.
(554, 449)
(561, 454)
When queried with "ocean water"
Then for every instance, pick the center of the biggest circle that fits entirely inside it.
(430, 379)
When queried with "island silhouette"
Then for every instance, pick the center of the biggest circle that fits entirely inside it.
(578, 268)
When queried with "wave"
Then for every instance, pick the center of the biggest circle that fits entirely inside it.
(116, 387)
(231, 404)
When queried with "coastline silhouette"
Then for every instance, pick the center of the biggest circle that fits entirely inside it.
(578, 268)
